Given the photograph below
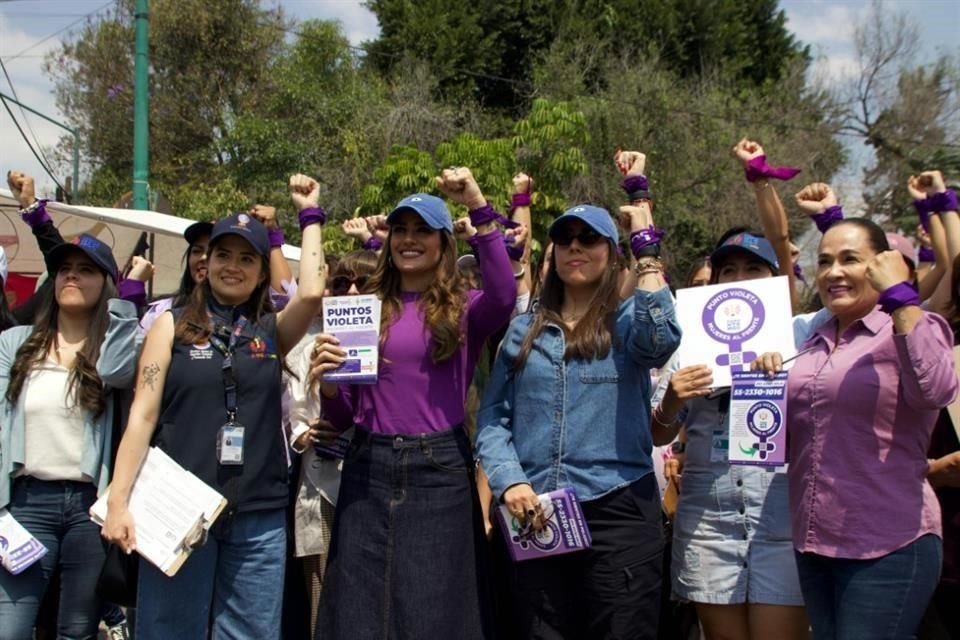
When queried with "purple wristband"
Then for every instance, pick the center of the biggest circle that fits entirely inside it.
(38, 216)
(276, 237)
(520, 200)
(798, 272)
(923, 212)
(632, 184)
(312, 215)
(133, 291)
(925, 254)
(643, 238)
(487, 214)
(757, 169)
(899, 295)
(515, 251)
(942, 202)
(474, 242)
(828, 218)
(373, 243)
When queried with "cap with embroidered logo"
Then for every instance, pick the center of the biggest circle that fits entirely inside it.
(752, 244)
(98, 252)
(596, 217)
(245, 226)
(432, 209)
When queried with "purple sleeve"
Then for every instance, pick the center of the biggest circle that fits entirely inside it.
(491, 308)
(926, 363)
(134, 291)
(338, 409)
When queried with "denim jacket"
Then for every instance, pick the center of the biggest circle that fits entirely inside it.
(580, 424)
(116, 367)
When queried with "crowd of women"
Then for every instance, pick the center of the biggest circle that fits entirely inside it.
(499, 379)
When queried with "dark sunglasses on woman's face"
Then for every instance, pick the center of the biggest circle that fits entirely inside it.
(342, 284)
(587, 237)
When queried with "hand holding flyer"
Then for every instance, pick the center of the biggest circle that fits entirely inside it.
(355, 321)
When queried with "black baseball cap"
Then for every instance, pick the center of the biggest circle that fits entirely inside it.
(98, 252)
(245, 226)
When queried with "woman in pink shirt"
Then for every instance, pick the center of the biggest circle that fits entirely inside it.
(863, 399)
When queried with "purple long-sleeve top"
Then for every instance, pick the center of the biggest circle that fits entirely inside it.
(414, 395)
(861, 412)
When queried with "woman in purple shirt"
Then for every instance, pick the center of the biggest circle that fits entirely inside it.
(408, 537)
(863, 399)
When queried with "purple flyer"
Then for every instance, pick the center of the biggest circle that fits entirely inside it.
(565, 531)
(758, 419)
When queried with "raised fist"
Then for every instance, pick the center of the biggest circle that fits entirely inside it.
(931, 182)
(356, 228)
(815, 198)
(517, 236)
(923, 238)
(141, 269)
(630, 163)
(886, 269)
(377, 226)
(265, 214)
(459, 185)
(22, 187)
(746, 150)
(304, 191)
(522, 183)
(463, 230)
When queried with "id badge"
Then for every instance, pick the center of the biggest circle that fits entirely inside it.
(721, 446)
(230, 444)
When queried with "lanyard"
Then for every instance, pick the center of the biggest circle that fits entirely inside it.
(229, 376)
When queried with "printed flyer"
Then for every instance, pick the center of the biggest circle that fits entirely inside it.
(565, 532)
(355, 321)
(728, 326)
(758, 419)
(18, 549)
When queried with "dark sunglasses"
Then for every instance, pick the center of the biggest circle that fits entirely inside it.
(341, 284)
(587, 237)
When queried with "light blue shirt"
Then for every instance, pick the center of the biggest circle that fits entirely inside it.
(579, 424)
(116, 367)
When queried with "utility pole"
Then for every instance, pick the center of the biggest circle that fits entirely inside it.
(141, 107)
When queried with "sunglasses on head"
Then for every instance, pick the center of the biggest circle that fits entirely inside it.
(342, 284)
(587, 237)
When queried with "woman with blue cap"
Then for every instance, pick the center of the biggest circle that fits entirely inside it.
(408, 540)
(58, 378)
(209, 395)
(568, 406)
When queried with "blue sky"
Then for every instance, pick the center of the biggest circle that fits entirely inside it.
(26, 27)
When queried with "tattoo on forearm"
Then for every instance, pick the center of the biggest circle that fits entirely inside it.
(150, 374)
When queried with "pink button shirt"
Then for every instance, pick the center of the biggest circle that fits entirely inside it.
(861, 414)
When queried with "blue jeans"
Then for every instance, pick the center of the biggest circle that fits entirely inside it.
(882, 598)
(234, 581)
(56, 514)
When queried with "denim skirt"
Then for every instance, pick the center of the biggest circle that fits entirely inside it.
(407, 558)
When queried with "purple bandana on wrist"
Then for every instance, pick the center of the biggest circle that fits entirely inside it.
(520, 200)
(899, 295)
(515, 251)
(643, 238)
(38, 216)
(373, 243)
(798, 272)
(275, 236)
(942, 202)
(134, 291)
(923, 212)
(487, 214)
(827, 219)
(925, 254)
(757, 168)
(312, 215)
(631, 184)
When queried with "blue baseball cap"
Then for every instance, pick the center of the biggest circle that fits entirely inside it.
(432, 209)
(752, 244)
(98, 252)
(596, 217)
(245, 226)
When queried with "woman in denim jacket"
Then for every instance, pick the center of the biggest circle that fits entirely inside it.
(568, 406)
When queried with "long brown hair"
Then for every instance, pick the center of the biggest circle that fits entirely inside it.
(593, 335)
(193, 325)
(442, 303)
(84, 383)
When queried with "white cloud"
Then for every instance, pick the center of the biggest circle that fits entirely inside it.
(821, 23)
(359, 24)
